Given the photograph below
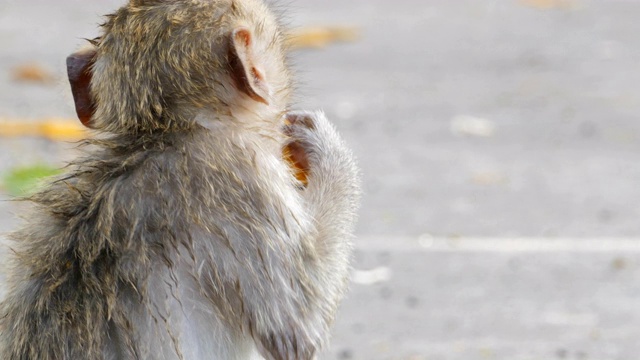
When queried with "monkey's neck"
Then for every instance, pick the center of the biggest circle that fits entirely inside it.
(266, 130)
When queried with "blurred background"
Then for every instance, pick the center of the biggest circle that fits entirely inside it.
(499, 142)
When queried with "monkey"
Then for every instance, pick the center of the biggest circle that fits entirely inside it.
(182, 232)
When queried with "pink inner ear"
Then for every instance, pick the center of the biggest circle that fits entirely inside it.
(245, 36)
(257, 74)
(247, 76)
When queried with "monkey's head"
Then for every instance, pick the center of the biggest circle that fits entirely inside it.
(162, 64)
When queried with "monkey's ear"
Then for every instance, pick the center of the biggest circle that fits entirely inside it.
(79, 72)
(245, 68)
(144, 2)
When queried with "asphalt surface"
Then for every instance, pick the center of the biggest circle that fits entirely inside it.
(479, 299)
(496, 119)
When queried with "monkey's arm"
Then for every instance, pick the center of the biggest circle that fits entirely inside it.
(332, 196)
(331, 199)
(286, 256)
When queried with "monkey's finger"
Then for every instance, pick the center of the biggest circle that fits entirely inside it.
(295, 155)
(303, 118)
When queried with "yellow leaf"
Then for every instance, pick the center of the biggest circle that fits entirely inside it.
(319, 37)
(550, 4)
(31, 73)
(52, 128)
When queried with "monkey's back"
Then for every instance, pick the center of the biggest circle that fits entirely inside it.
(110, 265)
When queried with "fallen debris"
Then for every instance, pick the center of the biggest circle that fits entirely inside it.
(53, 128)
(371, 277)
(26, 180)
(33, 73)
(550, 4)
(472, 126)
(489, 178)
(319, 37)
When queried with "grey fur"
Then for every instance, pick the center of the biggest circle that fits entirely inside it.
(182, 234)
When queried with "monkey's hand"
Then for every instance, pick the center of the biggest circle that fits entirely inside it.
(316, 148)
(331, 196)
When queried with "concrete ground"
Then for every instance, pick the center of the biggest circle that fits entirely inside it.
(514, 121)
(508, 299)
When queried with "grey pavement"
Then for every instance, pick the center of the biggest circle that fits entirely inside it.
(514, 299)
(555, 95)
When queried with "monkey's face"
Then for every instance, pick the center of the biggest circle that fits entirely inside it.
(159, 64)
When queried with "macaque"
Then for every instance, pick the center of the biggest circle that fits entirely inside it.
(183, 232)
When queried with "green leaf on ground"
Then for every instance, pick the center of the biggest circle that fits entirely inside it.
(26, 180)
